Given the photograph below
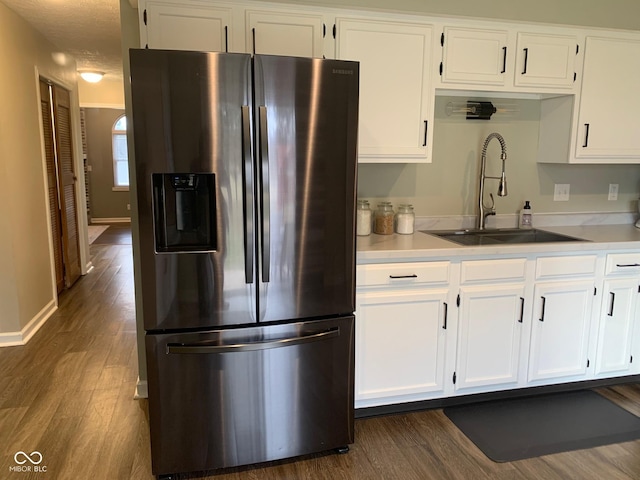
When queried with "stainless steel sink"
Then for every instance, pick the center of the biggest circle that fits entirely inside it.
(500, 236)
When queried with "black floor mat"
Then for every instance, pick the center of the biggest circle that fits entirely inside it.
(513, 429)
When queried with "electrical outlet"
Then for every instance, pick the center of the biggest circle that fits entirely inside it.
(561, 192)
(613, 191)
(128, 206)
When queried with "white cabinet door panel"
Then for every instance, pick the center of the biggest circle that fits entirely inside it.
(400, 343)
(274, 33)
(474, 56)
(545, 60)
(608, 122)
(560, 330)
(187, 27)
(617, 319)
(395, 88)
(489, 338)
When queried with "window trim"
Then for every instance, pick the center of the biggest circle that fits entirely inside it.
(114, 161)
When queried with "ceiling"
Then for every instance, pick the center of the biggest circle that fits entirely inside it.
(89, 30)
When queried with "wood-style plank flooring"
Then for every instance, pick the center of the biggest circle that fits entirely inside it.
(68, 394)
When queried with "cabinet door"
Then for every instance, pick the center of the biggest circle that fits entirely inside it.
(489, 335)
(187, 27)
(273, 33)
(609, 104)
(560, 329)
(616, 325)
(474, 56)
(545, 60)
(396, 109)
(400, 343)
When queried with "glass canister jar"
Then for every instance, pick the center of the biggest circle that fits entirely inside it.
(364, 218)
(405, 220)
(383, 223)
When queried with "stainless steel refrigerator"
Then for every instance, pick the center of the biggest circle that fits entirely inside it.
(246, 172)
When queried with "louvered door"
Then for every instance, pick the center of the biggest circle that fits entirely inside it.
(67, 182)
(61, 181)
(52, 183)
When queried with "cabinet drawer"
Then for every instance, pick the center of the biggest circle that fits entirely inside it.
(621, 263)
(512, 269)
(554, 267)
(402, 274)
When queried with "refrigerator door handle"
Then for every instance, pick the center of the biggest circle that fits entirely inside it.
(247, 170)
(181, 348)
(264, 171)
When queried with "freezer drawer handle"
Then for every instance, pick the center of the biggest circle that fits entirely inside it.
(249, 347)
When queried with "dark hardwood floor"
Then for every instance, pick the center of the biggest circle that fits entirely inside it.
(68, 394)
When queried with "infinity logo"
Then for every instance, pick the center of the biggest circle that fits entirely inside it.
(35, 458)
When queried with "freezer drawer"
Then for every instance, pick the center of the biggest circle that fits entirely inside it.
(224, 398)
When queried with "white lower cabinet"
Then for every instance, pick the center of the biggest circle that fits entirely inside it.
(402, 326)
(491, 317)
(427, 330)
(489, 335)
(560, 329)
(400, 344)
(616, 323)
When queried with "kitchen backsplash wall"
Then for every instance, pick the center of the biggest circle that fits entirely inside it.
(449, 185)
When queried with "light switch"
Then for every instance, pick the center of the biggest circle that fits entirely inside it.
(561, 192)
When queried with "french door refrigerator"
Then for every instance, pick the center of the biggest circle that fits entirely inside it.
(246, 172)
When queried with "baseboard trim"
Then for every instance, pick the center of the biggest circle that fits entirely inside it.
(111, 220)
(395, 408)
(12, 339)
(142, 390)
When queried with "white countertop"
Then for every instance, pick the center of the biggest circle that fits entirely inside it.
(421, 246)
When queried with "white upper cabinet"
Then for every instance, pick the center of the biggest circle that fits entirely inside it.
(396, 94)
(278, 33)
(545, 60)
(187, 27)
(608, 125)
(505, 59)
(474, 56)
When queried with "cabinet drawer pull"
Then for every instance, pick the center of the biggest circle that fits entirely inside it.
(446, 311)
(526, 59)
(395, 277)
(426, 126)
(521, 310)
(504, 59)
(544, 304)
(626, 265)
(586, 135)
(613, 299)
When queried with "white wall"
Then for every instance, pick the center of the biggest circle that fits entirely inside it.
(107, 93)
(27, 291)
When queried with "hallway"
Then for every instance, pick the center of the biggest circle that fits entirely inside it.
(68, 394)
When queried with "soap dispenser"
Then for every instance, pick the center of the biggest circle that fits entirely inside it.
(526, 216)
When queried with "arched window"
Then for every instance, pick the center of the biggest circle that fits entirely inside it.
(120, 155)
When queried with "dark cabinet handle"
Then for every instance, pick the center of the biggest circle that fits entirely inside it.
(526, 59)
(544, 304)
(446, 311)
(426, 126)
(253, 40)
(226, 39)
(613, 299)
(586, 135)
(521, 310)
(627, 265)
(504, 60)
(403, 276)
